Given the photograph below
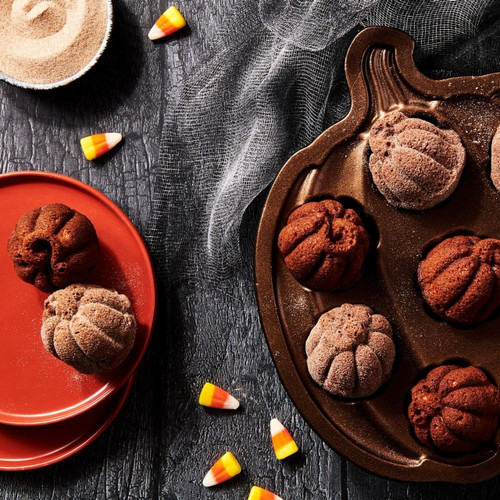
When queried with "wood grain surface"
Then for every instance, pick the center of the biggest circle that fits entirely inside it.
(162, 442)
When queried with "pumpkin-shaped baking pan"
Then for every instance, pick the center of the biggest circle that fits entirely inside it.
(374, 432)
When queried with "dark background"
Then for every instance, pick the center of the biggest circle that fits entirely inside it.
(162, 442)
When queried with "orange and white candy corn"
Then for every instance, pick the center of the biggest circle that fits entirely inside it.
(257, 493)
(283, 442)
(225, 468)
(96, 145)
(215, 397)
(169, 22)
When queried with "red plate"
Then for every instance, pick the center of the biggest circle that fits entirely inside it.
(36, 387)
(23, 448)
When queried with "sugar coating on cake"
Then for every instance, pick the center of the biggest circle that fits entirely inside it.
(53, 246)
(460, 278)
(350, 351)
(495, 159)
(454, 409)
(88, 327)
(414, 164)
(324, 245)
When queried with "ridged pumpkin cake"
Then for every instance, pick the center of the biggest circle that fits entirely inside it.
(53, 246)
(460, 278)
(350, 351)
(454, 409)
(88, 327)
(324, 245)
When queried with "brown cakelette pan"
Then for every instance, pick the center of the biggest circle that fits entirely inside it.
(375, 432)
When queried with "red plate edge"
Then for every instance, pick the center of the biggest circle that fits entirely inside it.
(125, 391)
(84, 406)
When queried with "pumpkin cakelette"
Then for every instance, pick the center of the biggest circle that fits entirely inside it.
(350, 351)
(460, 278)
(53, 246)
(414, 163)
(88, 327)
(454, 409)
(324, 245)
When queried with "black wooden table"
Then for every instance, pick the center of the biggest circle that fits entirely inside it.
(162, 442)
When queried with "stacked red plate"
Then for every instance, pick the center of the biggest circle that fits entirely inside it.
(48, 410)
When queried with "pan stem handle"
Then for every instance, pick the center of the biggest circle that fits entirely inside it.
(387, 88)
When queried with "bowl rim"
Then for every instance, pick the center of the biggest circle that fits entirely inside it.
(85, 69)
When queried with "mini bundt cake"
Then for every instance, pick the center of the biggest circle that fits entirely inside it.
(495, 159)
(350, 351)
(414, 164)
(460, 278)
(53, 246)
(454, 409)
(324, 245)
(88, 327)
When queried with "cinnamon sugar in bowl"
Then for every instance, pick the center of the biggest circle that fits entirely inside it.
(49, 43)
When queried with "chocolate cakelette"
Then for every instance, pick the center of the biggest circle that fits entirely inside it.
(53, 246)
(459, 117)
(460, 278)
(324, 245)
(454, 409)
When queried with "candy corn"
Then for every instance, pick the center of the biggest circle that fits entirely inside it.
(169, 22)
(283, 443)
(215, 397)
(225, 468)
(257, 493)
(96, 145)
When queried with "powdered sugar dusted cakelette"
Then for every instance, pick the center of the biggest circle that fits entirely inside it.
(414, 164)
(495, 159)
(460, 278)
(350, 351)
(88, 327)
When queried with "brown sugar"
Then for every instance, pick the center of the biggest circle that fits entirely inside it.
(88, 327)
(454, 409)
(48, 41)
(324, 245)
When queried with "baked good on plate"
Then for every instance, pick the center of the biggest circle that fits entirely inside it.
(324, 245)
(454, 409)
(88, 327)
(460, 278)
(53, 246)
(350, 351)
(414, 164)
